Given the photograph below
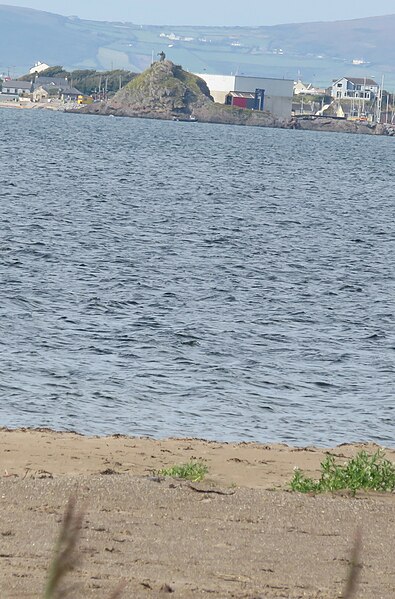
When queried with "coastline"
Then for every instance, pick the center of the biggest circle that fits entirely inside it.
(322, 124)
(217, 114)
(245, 464)
(238, 534)
(53, 106)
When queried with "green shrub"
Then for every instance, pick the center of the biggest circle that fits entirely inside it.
(194, 471)
(364, 471)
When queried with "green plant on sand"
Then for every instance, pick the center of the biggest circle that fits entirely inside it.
(193, 471)
(364, 471)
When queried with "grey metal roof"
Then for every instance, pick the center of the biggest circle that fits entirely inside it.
(357, 80)
(64, 89)
(361, 81)
(59, 81)
(72, 91)
(17, 84)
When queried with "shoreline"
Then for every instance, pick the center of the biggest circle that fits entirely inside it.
(245, 464)
(53, 106)
(238, 534)
(303, 123)
(255, 119)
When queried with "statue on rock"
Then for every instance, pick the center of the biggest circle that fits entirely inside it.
(162, 56)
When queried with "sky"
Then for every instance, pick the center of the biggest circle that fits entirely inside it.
(212, 12)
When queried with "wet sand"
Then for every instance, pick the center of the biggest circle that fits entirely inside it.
(240, 533)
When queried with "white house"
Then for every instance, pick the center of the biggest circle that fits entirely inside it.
(38, 67)
(307, 89)
(360, 88)
(45, 88)
(19, 88)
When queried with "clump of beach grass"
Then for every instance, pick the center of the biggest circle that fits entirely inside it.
(194, 471)
(362, 472)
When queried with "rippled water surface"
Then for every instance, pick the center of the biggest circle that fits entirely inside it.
(162, 278)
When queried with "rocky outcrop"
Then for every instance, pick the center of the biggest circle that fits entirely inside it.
(166, 91)
(339, 126)
(229, 115)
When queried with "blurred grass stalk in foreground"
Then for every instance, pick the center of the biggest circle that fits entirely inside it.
(66, 555)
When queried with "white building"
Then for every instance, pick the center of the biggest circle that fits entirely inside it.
(38, 67)
(277, 92)
(361, 88)
(307, 89)
(17, 88)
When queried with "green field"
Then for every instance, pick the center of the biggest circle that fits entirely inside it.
(317, 52)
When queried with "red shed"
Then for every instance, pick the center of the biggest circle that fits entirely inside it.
(241, 99)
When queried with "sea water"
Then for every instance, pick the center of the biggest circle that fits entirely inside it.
(184, 279)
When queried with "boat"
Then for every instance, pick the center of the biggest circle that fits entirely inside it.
(184, 119)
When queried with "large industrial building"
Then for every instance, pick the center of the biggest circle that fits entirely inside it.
(259, 93)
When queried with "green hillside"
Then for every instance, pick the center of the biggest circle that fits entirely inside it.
(318, 51)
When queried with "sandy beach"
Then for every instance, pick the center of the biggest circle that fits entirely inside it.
(240, 533)
(53, 105)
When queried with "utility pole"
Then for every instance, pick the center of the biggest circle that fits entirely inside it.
(363, 96)
(379, 101)
(387, 109)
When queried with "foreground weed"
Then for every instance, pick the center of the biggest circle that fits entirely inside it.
(66, 555)
(355, 565)
(194, 471)
(364, 471)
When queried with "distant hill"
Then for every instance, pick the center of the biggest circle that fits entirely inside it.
(318, 52)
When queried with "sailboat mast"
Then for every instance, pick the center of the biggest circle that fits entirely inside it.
(379, 101)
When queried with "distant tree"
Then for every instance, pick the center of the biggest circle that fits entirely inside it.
(89, 81)
(57, 71)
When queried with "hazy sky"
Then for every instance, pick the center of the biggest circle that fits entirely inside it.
(212, 12)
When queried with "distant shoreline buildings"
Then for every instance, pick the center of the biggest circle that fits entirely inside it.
(353, 98)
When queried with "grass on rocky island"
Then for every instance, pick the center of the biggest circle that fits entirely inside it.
(193, 471)
(362, 472)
